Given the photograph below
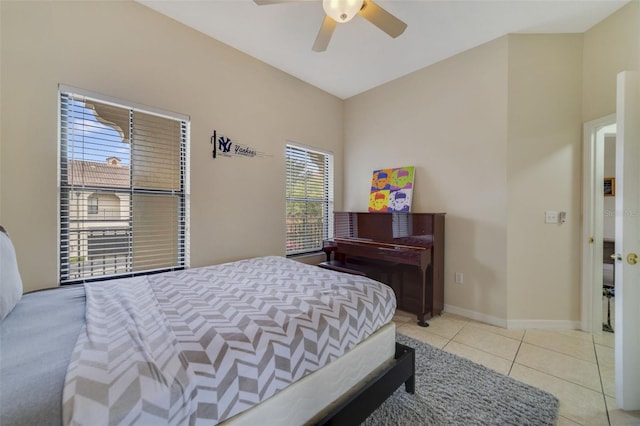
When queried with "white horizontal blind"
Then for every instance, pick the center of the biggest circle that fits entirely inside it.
(309, 197)
(123, 190)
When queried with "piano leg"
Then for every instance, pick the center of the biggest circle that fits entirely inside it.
(424, 282)
(410, 288)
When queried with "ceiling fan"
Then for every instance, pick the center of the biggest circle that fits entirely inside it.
(341, 11)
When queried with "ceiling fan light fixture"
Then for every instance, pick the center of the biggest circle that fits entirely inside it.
(342, 10)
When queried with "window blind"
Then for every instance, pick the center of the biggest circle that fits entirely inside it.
(123, 190)
(309, 199)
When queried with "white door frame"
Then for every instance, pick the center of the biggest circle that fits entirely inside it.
(592, 222)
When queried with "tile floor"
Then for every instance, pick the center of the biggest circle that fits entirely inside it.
(575, 366)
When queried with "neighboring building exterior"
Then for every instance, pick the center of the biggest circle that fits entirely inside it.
(99, 218)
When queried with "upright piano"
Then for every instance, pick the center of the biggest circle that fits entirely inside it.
(404, 250)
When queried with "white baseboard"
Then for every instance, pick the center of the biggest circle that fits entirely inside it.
(513, 324)
(544, 324)
(477, 316)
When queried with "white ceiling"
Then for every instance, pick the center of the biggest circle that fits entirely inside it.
(360, 56)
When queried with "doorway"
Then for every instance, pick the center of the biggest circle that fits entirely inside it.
(627, 229)
(608, 287)
(598, 219)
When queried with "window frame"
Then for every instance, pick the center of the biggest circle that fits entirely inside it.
(183, 218)
(93, 208)
(327, 199)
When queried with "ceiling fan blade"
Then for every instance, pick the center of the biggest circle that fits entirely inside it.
(382, 19)
(267, 2)
(324, 35)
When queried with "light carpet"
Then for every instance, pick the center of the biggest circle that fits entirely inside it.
(451, 390)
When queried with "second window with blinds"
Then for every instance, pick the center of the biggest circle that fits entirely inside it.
(124, 206)
(309, 198)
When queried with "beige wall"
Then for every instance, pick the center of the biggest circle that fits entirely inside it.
(496, 133)
(450, 121)
(610, 47)
(544, 159)
(609, 203)
(127, 51)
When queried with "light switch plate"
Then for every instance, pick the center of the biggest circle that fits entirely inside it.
(550, 217)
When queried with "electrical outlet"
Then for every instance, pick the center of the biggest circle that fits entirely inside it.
(459, 277)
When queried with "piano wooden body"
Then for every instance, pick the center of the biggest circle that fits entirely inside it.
(403, 250)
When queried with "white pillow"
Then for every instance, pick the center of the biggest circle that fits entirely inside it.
(10, 281)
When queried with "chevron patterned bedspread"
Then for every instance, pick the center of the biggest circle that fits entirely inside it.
(201, 345)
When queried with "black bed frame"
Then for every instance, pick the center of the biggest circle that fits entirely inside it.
(358, 406)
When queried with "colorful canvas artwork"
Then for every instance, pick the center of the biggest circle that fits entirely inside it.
(392, 189)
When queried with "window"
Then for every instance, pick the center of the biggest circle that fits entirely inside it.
(309, 197)
(124, 199)
(92, 205)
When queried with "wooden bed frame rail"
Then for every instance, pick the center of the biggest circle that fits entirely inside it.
(355, 409)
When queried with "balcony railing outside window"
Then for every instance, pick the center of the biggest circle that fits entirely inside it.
(124, 189)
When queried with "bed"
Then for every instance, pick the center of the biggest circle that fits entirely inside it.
(300, 345)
